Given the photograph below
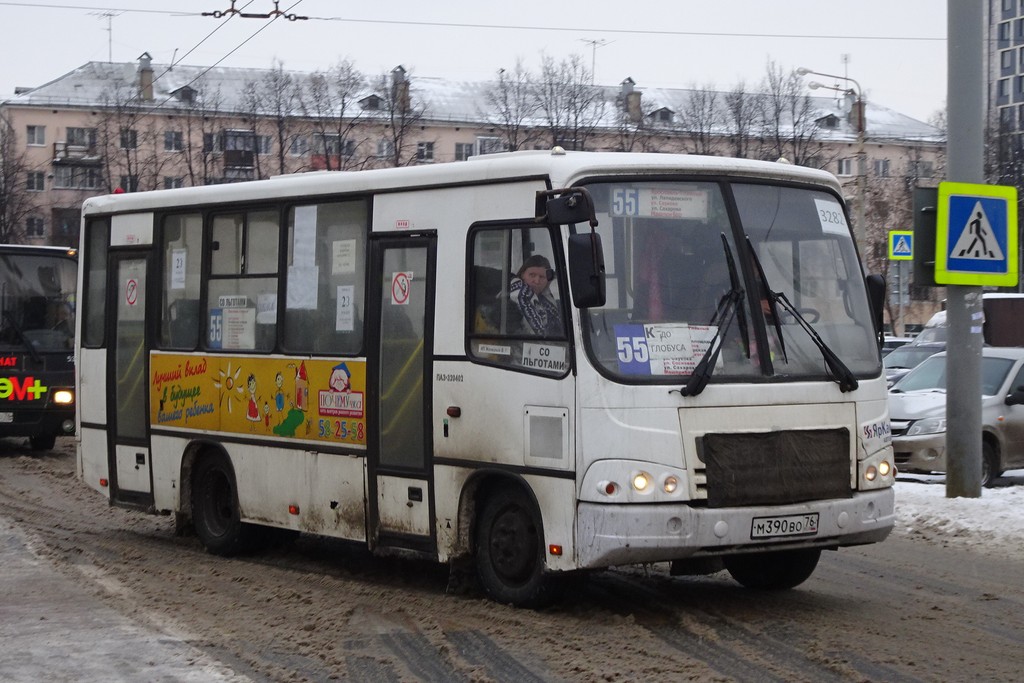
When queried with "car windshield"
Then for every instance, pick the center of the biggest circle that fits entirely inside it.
(930, 375)
(671, 288)
(908, 357)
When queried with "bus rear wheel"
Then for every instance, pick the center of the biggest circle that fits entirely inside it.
(510, 552)
(779, 570)
(215, 513)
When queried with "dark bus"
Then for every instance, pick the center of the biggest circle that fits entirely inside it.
(37, 342)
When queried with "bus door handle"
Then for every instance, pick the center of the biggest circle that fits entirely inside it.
(415, 495)
(140, 460)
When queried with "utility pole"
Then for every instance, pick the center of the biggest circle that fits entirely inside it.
(965, 111)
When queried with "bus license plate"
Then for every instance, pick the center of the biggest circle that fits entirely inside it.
(6, 417)
(787, 525)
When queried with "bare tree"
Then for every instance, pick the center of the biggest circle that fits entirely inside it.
(742, 109)
(512, 107)
(702, 118)
(787, 116)
(570, 104)
(328, 102)
(15, 203)
(401, 113)
(200, 117)
(272, 101)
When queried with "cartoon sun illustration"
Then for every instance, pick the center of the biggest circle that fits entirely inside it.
(229, 385)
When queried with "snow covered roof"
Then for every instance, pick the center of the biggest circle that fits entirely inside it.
(445, 101)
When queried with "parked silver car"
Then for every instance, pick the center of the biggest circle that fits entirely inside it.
(917, 414)
(904, 359)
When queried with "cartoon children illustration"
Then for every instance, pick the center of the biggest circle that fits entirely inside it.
(341, 378)
(279, 394)
(252, 413)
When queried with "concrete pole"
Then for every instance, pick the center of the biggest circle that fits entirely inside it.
(966, 114)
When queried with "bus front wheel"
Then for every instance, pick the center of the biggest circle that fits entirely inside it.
(775, 570)
(510, 552)
(215, 512)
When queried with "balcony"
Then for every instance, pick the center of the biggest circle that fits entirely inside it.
(64, 152)
(238, 158)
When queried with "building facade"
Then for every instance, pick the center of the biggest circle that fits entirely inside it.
(108, 127)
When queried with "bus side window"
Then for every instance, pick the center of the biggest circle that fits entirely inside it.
(182, 241)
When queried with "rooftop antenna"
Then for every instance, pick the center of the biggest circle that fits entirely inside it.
(110, 30)
(594, 44)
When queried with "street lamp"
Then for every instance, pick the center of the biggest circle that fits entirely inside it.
(856, 93)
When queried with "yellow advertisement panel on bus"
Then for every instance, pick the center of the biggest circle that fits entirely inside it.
(260, 396)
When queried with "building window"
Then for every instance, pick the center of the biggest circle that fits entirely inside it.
(129, 183)
(129, 138)
(425, 151)
(463, 150)
(921, 169)
(36, 181)
(172, 182)
(1004, 32)
(81, 137)
(1020, 29)
(174, 141)
(881, 168)
(1003, 87)
(34, 226)
(35, 135)
(846, 166)
(385, 148)
(76, 178)
(264, 144)
(1006, 59)
(1006, 118)
(299, 146)
(211, 142)
(489, 145)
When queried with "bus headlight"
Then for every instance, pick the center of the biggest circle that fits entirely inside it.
(641, 480)
(884, 468)
(670, 484)
(64, 397)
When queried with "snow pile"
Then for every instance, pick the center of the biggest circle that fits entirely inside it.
(993, 523)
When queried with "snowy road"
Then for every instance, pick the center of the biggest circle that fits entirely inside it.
(120, 598)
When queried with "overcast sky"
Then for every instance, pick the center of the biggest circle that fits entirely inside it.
(895, 49)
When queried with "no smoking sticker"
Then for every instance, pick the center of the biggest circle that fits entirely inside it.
(401, 286)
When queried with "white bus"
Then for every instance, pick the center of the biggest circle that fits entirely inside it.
(540, 361)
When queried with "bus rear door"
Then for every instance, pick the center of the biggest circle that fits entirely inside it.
(400, 454)
(129, 455)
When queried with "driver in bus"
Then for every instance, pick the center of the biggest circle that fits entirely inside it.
(530, 291)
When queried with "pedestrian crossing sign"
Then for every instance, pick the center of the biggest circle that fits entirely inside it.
(976, 235)
(901, 245)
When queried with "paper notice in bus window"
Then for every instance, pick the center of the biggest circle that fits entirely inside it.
(343, 257)
(661, 349)
(239, 328)
(659, 202)
(178, 261)
(344, 318)
(831, 217)
(304, 236)
(302, 288)
(546, 357)
(266, 308)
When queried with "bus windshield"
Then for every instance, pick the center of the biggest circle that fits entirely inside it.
(37, 302)
(676, 253)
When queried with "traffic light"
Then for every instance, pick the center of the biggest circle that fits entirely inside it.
(926, 201)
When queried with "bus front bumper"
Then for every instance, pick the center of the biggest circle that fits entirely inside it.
(615, 534)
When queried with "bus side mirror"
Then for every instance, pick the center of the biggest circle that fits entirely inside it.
(564, 206)
(875, 285)
(586, 270)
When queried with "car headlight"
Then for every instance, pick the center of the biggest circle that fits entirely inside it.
(931, 425)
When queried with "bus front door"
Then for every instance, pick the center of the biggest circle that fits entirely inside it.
(400, 486)
(128, 407)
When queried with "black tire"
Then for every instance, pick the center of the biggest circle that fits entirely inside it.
(510, 552)
(43, 442)
(779, 570)
(989, 464)
(215, 514)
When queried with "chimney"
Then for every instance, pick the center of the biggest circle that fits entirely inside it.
(145, 77)
(400, 89)
(631, 100)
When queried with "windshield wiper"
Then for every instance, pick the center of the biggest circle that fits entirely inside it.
(727, 309)
(21, 335)
(841, 374)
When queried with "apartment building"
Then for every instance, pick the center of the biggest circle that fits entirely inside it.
(139, 126)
